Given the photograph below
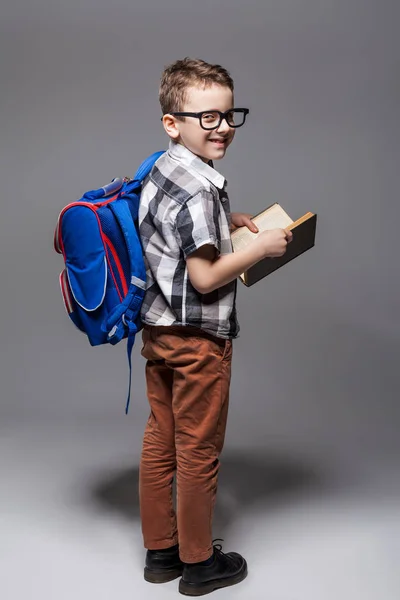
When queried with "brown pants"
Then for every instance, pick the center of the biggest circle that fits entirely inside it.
(188, 377)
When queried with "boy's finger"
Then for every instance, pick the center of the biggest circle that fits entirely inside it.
(289, 235)
(252, 226)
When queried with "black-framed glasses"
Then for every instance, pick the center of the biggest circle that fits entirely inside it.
(212, 119)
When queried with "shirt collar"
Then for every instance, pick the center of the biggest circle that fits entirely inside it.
(184, 155)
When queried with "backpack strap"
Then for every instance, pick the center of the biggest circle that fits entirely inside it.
(126, 314)
(123, 215)
(146, 166)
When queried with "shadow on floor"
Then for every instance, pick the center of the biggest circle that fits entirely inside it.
(244, 481)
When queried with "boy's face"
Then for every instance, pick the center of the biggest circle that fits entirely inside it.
(208, 145)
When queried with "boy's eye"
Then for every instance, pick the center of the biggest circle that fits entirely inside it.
(210, 116)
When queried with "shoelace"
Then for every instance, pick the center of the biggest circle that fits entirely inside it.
(218, 546)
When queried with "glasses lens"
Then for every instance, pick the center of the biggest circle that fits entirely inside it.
(235, 118)
(210, 120)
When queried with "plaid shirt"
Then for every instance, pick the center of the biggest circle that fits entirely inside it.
(183, 206)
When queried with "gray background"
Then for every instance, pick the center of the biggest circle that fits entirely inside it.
(315, 377)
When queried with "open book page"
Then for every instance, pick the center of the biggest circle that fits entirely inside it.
(272, 218)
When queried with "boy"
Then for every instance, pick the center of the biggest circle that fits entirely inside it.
(189, 318)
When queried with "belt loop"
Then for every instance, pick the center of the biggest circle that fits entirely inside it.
(149, 329)
(228, 345)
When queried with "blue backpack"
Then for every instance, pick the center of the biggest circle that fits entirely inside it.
(104, 279)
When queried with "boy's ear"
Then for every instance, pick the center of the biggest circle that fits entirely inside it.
(171, 126)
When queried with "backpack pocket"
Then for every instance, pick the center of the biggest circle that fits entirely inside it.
(79, 237)
(85, 257)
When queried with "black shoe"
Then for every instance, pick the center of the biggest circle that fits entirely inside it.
(163, 565)
(226, 569)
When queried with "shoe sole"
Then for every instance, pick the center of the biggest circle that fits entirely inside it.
(200, 589)
(162, 576)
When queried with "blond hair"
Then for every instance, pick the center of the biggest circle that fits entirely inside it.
(182, 74)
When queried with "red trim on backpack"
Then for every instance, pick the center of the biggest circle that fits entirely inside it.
(110, 247)
(99, 204)
(65, 291)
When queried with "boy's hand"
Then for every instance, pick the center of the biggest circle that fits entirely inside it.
(274, 241)
(243, 220)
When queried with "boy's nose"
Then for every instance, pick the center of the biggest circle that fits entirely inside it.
(223, 127)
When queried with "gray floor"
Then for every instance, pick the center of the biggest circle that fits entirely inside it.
(309, 529)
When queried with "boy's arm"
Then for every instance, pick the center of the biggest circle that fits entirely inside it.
(207, 272)
(197, 237)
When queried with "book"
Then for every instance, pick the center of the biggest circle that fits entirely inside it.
(274, 217)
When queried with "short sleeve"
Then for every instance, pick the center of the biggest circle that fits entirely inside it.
(197, 223)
